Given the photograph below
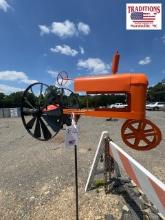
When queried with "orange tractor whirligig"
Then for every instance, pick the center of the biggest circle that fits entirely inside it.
(45, 109)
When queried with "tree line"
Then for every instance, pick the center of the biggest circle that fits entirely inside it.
(154, 93)
(157, 92)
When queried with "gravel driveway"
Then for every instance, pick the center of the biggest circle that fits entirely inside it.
(37, 178)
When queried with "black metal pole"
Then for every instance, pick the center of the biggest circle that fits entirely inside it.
(76, 182)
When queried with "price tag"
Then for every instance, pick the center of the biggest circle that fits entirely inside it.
(71, 135)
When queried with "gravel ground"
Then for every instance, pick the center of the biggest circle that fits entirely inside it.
(37, 178)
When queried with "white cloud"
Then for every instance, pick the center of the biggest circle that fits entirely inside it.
(4, 5)
(65, 49)
(9, 89)
(163, 38)
(82, 51)
(29, 81)
(43, 29)
(65, 29)
(95, 65)
(83, 28)
(145, 61)
(15, 76)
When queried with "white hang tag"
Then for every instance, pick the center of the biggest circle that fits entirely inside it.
(71, 135)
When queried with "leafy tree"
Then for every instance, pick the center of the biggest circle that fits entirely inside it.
(2, 97)
(156, 93)
(13, 100)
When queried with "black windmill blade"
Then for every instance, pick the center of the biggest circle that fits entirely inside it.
(28, 102)
(30, 124)
(37, 131)
(54, 122)
(32, 92)
(46, 133)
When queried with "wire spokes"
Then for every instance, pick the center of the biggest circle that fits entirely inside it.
(62, 78)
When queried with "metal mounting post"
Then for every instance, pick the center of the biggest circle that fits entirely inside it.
(76, 182)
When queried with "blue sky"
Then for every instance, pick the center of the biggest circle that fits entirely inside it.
(39, 38)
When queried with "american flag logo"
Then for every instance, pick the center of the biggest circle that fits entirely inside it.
(142, 17)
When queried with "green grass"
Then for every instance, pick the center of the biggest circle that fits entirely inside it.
(99, 182)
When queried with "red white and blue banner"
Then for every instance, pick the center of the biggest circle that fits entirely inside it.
(146, 16)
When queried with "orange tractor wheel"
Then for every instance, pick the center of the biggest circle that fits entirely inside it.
(140, 135)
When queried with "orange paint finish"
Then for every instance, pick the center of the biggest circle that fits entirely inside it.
(51, 108)
(114, 114)
(129, 170)
(69, 111)
(160, 192)
(138, 131)
(115, 62)
(135, 88)
(109, 83)
(104, 113)
(134, 85)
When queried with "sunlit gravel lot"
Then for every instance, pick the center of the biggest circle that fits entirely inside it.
(37, 178)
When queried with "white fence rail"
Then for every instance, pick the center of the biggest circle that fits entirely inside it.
(151, 186)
